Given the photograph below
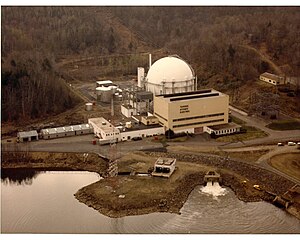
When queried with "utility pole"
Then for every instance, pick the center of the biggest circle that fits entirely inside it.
(113, 162)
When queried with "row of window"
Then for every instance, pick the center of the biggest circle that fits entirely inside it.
(196, 123)
(196, 117)
(111, 134)
(270, 81)
(225, 131)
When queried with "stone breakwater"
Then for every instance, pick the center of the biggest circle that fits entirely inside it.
(266, 179)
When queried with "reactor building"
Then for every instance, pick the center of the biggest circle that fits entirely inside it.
(168, 75)
(169, 92)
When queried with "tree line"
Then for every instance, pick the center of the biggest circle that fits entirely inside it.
(31, 88)
(213, 39)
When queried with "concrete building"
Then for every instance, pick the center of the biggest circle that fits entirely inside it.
(223, 129)
(164, 167)
(141, 131)
(66, 131)
(106, 132)
(27, 136)
(136, 101)
(104, 94)
(168, 75)
(271, 78)
(149, 120)
(191, 110)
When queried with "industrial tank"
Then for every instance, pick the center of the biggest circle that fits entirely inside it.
(88, 106)
(113, 89)
(104, 94)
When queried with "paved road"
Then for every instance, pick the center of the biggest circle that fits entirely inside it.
(273, 136)
(263, 160)
(84, 144)
(80, 144)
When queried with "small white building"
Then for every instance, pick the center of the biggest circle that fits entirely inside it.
(141, 131)
(27, 136)
(223, 129)
(104, 130)
(271, 78)
(128, 110)
(164, 167)
(149, 120)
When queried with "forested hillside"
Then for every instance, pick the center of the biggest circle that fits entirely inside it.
(225, 45)
(33, 38)
(31, 88)
(216, 38)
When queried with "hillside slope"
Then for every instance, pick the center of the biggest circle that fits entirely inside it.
(227, 46)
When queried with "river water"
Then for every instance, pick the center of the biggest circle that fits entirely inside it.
(43, 202)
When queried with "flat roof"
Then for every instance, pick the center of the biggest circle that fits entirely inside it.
(205, 93)
(186, 93)
(28, 134)
(103, 124)
(137, 127)
(150, 117)
(272, 76)
(104, 82)
(225, 126)
(165, 161)
(66, 129)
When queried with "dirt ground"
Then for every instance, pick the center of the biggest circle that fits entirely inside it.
(288, 163)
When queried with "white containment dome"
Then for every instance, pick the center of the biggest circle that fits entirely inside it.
(170, 75)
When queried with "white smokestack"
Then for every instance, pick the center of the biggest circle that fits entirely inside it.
(150, 60)
(140, 76)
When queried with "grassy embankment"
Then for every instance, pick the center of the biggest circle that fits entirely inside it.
(288, 163)
(251, 133)
(46, 160)
(283, 125)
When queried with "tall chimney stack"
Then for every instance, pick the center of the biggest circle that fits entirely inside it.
(150, 60)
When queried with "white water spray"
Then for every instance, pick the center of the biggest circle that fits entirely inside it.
(214, 189)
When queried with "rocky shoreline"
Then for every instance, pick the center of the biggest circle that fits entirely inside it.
(238, 176)
(54, 160)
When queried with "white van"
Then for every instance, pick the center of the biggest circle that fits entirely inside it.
(291, 144)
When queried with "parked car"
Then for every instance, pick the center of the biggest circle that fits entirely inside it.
(291, 143)
(136, 138)
(280, 144)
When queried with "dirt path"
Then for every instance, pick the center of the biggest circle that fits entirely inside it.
(265, 57)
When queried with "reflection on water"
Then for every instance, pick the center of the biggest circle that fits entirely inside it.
(18, 176)
(48, 206)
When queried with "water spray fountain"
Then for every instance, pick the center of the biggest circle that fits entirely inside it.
(212, 181)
